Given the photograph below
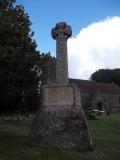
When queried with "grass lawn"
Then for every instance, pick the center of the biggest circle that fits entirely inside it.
(105, 134)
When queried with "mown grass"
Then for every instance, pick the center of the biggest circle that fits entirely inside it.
(105, 134)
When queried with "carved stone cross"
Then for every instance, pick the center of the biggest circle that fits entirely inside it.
(61, 33)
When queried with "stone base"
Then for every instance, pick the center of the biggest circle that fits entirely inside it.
(60, 122)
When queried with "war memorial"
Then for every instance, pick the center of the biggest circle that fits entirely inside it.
(60, 121)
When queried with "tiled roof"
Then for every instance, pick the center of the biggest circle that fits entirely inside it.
(87, 86)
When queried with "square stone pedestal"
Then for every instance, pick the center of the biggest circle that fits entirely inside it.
(60, 121)
(61, 96)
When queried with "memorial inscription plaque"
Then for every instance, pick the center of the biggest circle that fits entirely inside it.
(58, 96)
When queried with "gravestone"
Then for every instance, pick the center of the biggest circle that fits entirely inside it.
(60, 121)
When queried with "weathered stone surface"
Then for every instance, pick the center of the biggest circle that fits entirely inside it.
(61, 123)
(62, 129)
(58, 95)
(61, 33)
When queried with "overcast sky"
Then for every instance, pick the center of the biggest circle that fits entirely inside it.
(95, 42)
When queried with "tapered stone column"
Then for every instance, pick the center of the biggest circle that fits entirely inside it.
(61, 33)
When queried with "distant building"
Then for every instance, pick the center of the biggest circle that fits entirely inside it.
(94, 95)
(99, 96)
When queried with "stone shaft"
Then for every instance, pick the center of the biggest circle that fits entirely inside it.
(61, 62)
(61, 33)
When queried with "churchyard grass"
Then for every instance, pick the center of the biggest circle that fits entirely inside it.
(105, 134)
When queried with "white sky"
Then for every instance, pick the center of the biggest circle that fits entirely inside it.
(96, 46)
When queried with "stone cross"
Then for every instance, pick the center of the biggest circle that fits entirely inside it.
(61, 33)
(60, 121)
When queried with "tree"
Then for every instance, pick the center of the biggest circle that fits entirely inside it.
(44, 61)
(22, 68)
(6, 4)
(33, 95)
(107, 76)
(19, 60)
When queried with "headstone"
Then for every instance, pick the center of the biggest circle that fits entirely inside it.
(60, 121)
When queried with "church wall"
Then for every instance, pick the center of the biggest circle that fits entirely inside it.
(113, 100)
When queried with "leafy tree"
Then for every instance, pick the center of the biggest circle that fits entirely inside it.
(33, 95)
(107, 76)
(20, 64)
(44, 61)
(6, 4)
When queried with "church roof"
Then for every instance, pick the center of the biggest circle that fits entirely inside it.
(91, 87)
